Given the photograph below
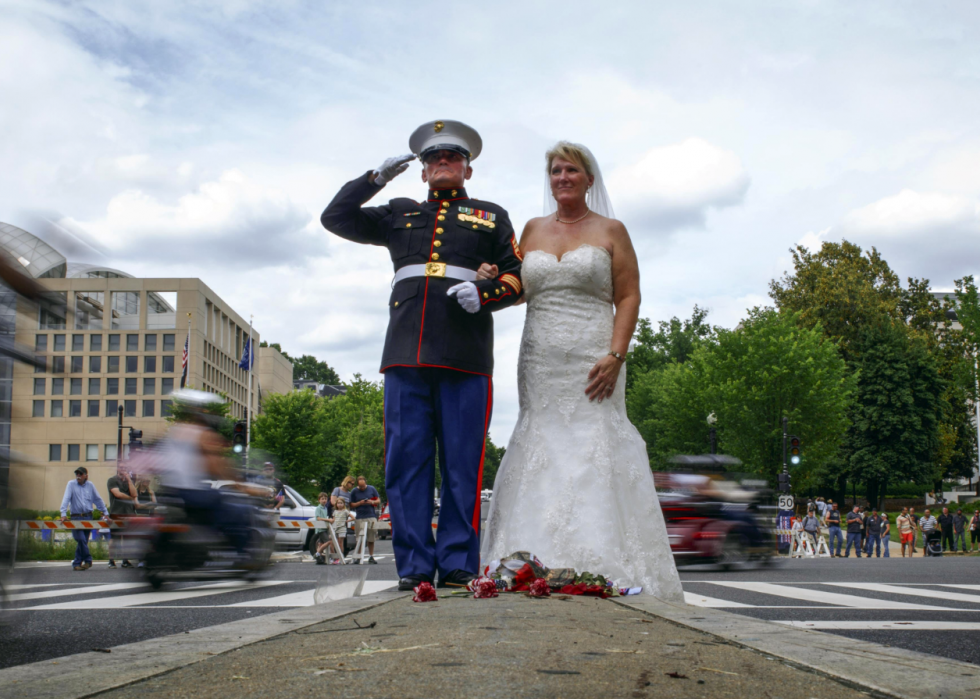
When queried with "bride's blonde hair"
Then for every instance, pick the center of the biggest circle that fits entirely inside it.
(573, 153)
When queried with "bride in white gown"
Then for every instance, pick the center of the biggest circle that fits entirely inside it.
(575, 486)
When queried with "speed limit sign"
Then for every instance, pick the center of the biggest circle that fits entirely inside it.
(785, 502)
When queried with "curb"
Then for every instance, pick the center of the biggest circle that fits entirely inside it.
(86, 674)
(890, 672)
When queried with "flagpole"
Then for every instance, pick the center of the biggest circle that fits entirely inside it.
(186, 374)
(251, 361)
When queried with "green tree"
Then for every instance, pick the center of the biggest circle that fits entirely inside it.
(359, 416)
(491, 462)
(293, 427)
(674, 341)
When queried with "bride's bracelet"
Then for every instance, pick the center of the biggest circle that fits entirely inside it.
(617, 355)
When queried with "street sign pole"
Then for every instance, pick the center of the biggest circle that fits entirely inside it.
(784, 515)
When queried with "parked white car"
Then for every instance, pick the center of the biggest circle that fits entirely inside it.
(294, 508)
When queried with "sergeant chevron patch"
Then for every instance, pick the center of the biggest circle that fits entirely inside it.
(517, 249)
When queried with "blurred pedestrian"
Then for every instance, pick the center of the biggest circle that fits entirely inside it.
(342, 491)
(959, 531)
(975, 530)
(81, 497)
(145, 497)
(832, 520)
(906, 531)
(278, 490)
(122, 504)
(946, 528)
(321, 523)
(363, 500)
(811, 526)
(872, 537)
(915, 527)
(930, 531)
(854, 524)
(886, 534)
(339, 521)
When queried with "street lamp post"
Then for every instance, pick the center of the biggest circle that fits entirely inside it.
(712, 433)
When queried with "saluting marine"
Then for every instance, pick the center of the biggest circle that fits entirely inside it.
(438, 353)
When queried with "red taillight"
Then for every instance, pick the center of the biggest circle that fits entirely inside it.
(707, 535)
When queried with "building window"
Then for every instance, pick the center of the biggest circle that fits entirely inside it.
(76, 365)
(95, 343)
(57, 365)
(91, 452)
(149, 387)
(57, 408)
(132, 365)
(41, 345)
(130, 387)
(77, 343)
(75, 387)
(38, 408)
(168, 343)
(161, 310)
(95, 365)
(42, 365)
(74, 408)
(54, 452)
(149, 365)
(93, 408)
(166, 408)
(54, 311)
(73, 452)
(59, 343)
(112, 387)
(93, 387)
(166, 387)
(125, 310)
(110, 452)
(149, 343)
(112, 408)
(89, 307)
(113, 343)
(148, 408)
(39, 387)
(57, 387)
(132, 343)
(112, 365)
(130, 408)
(168, 365)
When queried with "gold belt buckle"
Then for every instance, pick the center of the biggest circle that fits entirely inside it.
(435, 269)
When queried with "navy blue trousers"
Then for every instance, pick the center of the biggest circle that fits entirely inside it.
(424, 406)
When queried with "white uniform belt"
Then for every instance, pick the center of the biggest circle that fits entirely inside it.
(435, 269)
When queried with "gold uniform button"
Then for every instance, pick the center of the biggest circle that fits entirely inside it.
(408, 225)
(497, 291)
(445, 204)
(474, 226)
(486, 295)
(435, 256)
(454, 192)
(396, 304)
(435, 195)
(442, 218)
(443, 211)
(438, 243)
(439, 230)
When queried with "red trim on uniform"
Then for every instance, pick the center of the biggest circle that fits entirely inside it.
(425, 297)
(435, 366)
(483, 455)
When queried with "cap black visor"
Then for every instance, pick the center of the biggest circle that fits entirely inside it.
(432, 149)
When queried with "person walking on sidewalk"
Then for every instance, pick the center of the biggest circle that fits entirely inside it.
(80, 497)
(959, 531)
(930, 531)
(915, 527)
(886, 537)
(122, 503)
(975, 531)
(363, 500)
(854, 524)
(906, 531)
(832, 520)
(872, 524)
(946, 527)
(811, 526)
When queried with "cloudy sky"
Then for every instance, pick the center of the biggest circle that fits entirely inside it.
(204, 139)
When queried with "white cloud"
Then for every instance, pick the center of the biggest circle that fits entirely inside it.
(675, 186)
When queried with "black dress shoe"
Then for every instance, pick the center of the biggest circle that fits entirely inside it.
(457, 578)
(410, 582)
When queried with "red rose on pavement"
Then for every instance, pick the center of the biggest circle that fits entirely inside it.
(485, 589)
(425, 593)
(539, 588)
(525, 576)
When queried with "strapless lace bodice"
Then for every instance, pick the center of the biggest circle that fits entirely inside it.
(570, 458)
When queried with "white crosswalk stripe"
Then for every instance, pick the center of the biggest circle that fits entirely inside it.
(87, 590)
(832, 598)
(913, 591)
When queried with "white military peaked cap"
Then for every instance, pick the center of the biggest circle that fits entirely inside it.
(446, 135)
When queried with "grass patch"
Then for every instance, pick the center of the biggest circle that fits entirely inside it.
(31, 547)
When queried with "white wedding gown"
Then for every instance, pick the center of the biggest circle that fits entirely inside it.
(575, 487)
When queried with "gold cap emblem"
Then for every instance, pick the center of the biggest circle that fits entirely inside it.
(439, 126)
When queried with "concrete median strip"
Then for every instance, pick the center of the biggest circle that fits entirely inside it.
(85, 674)
(907, 674)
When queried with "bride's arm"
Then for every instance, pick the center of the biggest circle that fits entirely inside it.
(488, 271)
(626, 297)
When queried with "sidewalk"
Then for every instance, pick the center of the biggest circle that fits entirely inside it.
(515, 646)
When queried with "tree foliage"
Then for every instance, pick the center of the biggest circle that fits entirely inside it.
(674, 341)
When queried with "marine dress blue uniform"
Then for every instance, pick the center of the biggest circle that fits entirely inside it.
(437, 360)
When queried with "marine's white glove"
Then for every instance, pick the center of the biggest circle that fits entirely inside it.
(392, 168)
(467, 295)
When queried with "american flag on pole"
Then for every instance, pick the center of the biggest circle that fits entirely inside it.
(183, 360)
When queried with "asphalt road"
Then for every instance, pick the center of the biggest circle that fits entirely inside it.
(888, 601)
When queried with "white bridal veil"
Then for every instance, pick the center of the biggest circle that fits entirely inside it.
(597, 199)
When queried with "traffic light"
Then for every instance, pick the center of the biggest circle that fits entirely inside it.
(783, 486)
(135, 441)
(238, 437)
(794, 450)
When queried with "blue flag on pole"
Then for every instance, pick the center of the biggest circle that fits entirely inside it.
(248, 360)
